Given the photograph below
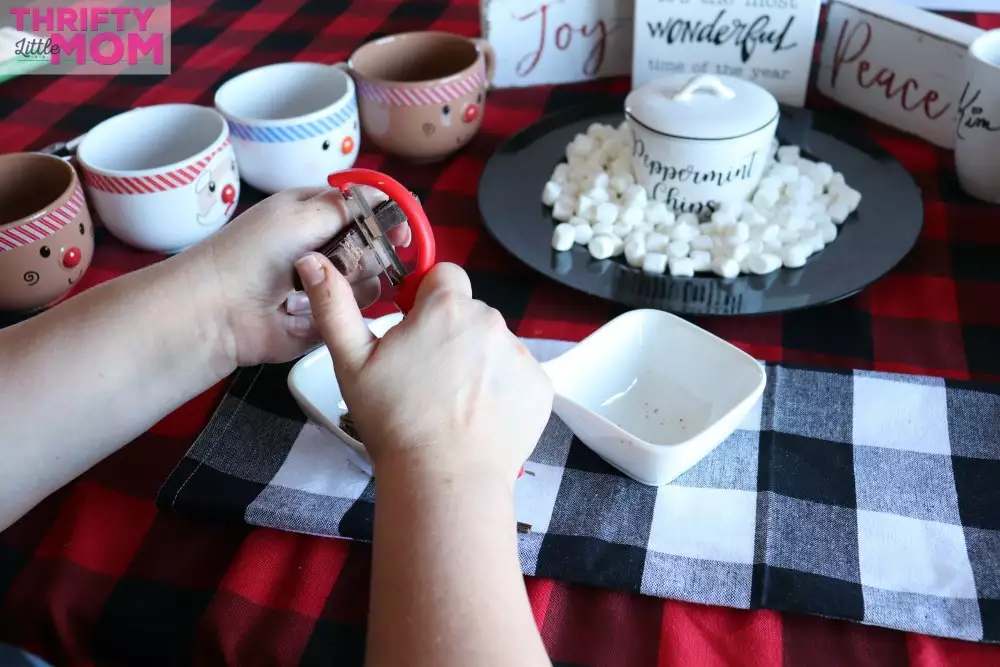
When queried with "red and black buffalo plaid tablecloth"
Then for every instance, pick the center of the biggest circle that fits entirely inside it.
(97, 575)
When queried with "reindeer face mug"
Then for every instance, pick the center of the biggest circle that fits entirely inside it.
(422, 94)
(163, 177)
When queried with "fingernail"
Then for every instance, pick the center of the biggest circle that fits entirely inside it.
(298, 325)
(297, 304)
(310, 270)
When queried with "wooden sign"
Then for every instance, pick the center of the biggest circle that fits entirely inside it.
(540, 42)
(898, 64)
(769, 42)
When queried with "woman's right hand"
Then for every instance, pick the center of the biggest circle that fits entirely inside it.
(450, 390)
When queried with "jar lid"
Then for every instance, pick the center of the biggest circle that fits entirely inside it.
(703, 107)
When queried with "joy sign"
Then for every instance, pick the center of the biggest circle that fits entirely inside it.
(541, 42)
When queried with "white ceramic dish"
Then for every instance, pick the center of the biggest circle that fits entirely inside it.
(649, 392)
(700, 142)
(314, 386)
(653, 394)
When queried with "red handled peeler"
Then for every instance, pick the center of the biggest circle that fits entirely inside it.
(370, 229)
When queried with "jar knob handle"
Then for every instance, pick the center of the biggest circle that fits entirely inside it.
(707, 83)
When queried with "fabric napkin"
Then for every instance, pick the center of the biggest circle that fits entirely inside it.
(859, 495)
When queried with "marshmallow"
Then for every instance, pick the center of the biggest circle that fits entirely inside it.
(601, 246)
(702, 260)
(657, 242)
(631, 215)
(658, 213)
(654, 262)
(635, 253)
(678, 249)
(726, 267)
(763, 263)
(604, 228)
(606, 213)
(583, 234)
(598, 195)
(563, 209)
(702, 242)
(563, 236)
(621, 229)
(551, 192)
(795, 256)
(681, 267)
(684, 232)
(788, 154)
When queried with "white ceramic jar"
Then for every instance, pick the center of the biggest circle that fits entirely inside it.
(700, 142)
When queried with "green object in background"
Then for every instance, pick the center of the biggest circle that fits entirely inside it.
(12, 65)
(13, 68)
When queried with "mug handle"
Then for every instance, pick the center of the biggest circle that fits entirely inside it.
(489, 55)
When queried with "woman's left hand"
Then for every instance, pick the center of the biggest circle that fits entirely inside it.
(263, 318)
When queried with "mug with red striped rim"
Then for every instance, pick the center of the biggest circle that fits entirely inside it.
(292, 124)
(421, 94)
(46, 235)
(162, 177)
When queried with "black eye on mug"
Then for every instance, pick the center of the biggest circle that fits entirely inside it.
(82, 231)
(479, 98)
(326, 145)
(446, 110)
(211, 186)
(44, 251)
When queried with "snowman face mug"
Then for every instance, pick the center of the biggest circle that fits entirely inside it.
(162, 177)
(292, 124)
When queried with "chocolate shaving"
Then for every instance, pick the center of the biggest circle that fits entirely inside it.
(345, 250)
(523, 527)
(347, 426)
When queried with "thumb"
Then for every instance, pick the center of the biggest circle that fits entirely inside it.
(335, 312)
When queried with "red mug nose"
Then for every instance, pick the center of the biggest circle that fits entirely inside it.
(71, 257)
(228, 194)
(471, 113)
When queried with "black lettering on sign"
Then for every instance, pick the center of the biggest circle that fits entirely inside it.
(970, 116)
(746, 36)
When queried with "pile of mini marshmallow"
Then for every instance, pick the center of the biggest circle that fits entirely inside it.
(791, 215)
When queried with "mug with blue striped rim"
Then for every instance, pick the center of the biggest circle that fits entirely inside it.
(292, 124)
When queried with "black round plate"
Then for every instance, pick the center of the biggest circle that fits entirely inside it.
(869, 244)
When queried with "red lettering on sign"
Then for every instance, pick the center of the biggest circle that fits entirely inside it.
(849, 51)
(563, 38)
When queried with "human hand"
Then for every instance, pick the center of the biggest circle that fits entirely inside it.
(450, 390)
(250, 260)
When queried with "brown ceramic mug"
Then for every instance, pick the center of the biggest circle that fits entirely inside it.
(46, 235)
(421, 94)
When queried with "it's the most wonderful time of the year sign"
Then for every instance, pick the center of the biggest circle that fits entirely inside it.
(769, 42)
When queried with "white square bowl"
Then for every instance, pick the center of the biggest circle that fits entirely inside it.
(653, 394)
(315, 388)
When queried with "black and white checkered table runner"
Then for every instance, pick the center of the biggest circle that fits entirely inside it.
(859, 495)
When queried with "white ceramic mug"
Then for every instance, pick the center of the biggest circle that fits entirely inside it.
(700, 142)
(163, 177)
(292, 123)
(977, 133)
